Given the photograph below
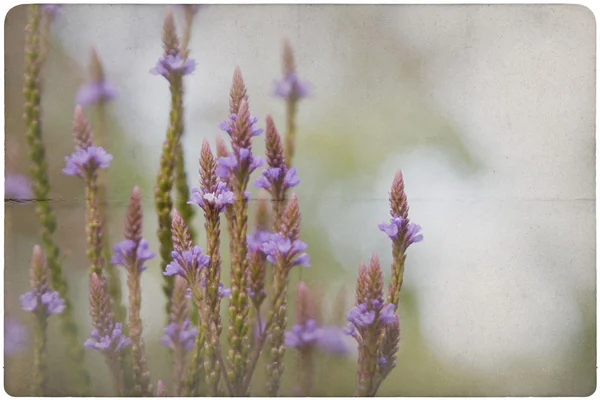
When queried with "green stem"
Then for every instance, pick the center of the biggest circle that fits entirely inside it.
(41, 188)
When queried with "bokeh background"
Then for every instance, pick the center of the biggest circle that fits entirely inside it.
(488, 110)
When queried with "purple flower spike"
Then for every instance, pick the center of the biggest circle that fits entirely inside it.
(227, 125)
(53, 303)
(328, 339)
(187, 262)
(223, 291)
(387, 315)
(217, 200)
(123, 254)
(94, 92)
(280, 247)
(291, 86)
(83, 161)
(257, 239)
(185, 335)
(50, 301)
(396, 225)
(171, 65)
(225, 165)
(28, 301)
(111, 342)
(360, 316)
(17, 187)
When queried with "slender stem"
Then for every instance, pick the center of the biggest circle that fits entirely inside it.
(39, 379)
(41, 189)
(290, 134)
(164, 202)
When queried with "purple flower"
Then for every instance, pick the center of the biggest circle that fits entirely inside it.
(15, 336)
(217, 199)
(228, 165)
(187, 262)
(83, 161)
(277, 177)
(328, 339)
(184, 335)
(331, 340)
(363, 315)
(17, 187)
(360, 316)
(302, 335)
(257, 239)
(94, 92)
(170, 65)
(50, 301)
(387, 315)
(227, 125)
(395, 226)
(123, 254)
(113, 341)
(223, 291)
(291, 253)
(291, 86)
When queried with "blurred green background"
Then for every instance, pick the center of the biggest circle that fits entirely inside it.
(488, 110)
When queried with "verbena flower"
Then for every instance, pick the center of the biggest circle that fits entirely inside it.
(17, 187)
(186, 262)
(124, 254)
(327, 339)
(223, 291)
(218, 199)
(394, 227)
(277, 176)
(113, 341)
(50, 301)
(291, 86)
(15, 336)
(93, 92)
(170, 65)
(228, 165)
(84, 161)
(279, 247)
(364, 315)
(227, 125)
(257, 239)
(185, 335)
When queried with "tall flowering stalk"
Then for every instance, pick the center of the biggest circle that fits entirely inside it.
(173, 67)
(213, 197)
(236, 168)
(107, 336)
(85, 163)
(291, 89)
(278, 178)
(42, 302)
(368, 321)
(402, 232)
(41, 188)
(181, 183)
(284, 250)
(131, 254)
(257, 269)
(180, 334)
(98, 92)
(189, 263)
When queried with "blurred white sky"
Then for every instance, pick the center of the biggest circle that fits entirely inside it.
(506, 250)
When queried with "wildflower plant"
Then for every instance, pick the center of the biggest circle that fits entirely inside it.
(247, 297)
